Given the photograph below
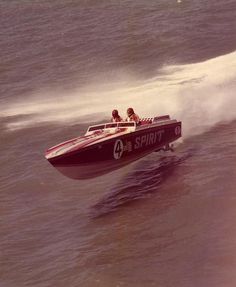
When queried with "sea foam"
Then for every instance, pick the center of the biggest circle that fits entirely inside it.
(199, 94)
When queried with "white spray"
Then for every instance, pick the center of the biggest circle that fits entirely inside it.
(200, 95)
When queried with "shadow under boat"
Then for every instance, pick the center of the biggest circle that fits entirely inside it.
(146, 179)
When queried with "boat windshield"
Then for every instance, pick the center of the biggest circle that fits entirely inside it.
(95, 128)
(126, 124)
(111, 125)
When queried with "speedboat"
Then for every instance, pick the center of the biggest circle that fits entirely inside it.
(110, 146)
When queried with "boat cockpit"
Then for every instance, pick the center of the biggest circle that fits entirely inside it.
(126, 126)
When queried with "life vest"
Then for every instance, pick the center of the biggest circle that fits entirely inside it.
(133, 118)
(116, 119)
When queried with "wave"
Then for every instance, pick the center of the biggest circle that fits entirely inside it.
(199, 94)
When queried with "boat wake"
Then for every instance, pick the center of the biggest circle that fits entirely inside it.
(197, 94)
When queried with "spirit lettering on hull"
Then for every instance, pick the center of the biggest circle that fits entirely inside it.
(148, 139)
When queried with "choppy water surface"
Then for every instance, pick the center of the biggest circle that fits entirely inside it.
(166, 220)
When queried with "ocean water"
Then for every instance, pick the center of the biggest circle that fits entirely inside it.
(166, 220)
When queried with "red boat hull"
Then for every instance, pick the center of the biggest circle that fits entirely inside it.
(113, 151)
